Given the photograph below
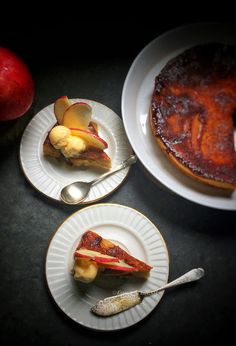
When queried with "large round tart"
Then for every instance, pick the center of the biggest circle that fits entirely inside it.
(192, 110)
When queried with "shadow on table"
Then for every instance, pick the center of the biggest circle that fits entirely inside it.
(179, 210)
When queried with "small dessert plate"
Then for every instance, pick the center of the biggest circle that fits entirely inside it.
(49, 175)
(129, 229)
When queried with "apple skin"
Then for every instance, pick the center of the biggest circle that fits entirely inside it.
(95, 256)
(91, 138)
(16, 86)
(104, 260)
(119, 266)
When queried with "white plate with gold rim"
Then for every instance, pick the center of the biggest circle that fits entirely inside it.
(134, 233)
(49, 175)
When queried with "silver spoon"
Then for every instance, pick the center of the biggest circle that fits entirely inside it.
(115, 304)
(77, 192)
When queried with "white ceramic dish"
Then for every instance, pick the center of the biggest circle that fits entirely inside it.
(136, 97)
(49, 175)
(127, 228)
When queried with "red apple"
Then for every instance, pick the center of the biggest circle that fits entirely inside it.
(95, 256)
(16, 86)
(92, 139)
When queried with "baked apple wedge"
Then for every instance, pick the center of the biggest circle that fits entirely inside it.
(120, 265)
(95, 256)
(78, 116)
(60, 106)
(92, 139)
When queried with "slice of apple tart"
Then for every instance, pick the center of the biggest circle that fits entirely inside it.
(75, 137)
(95, 255)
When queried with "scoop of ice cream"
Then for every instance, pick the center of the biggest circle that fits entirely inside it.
(85, 270)
(59, 136)
(74, 147)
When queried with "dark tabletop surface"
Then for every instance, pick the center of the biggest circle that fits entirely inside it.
(94, 65)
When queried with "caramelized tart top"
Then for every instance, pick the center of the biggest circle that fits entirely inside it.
(92, 241)
(192, 110)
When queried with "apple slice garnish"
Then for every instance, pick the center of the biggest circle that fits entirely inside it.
(92, 139)
(93, 127)
(120, 265)
(78, 115)
(60, 106)
(95, 256)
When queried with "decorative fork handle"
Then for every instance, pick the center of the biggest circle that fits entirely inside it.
(192, 275)
(131, 160)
